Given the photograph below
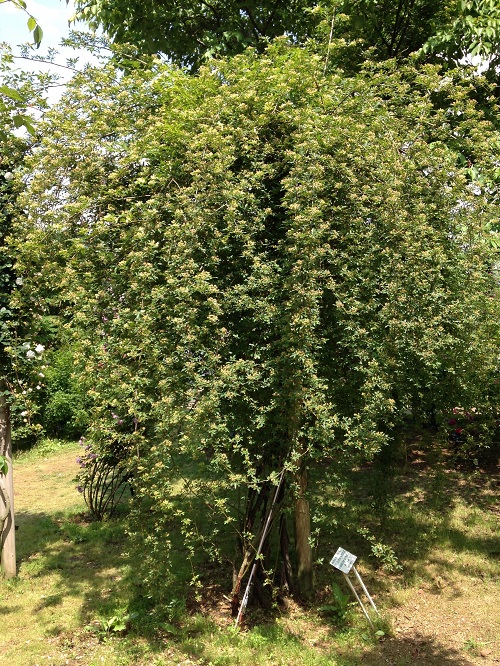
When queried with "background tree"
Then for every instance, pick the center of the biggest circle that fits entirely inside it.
(190, 32)
(12, 115)
(18, 93)
(471, 32)
(450, 31)
(24, 99)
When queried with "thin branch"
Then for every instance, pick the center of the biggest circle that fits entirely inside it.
(256, 29)
(51, 85)
(47, 62)
(405, 27)
(23, 9)
(395, 28)
(214, 12)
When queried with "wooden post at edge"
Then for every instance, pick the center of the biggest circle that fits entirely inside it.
(8, 536)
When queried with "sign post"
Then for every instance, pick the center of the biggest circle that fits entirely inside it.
(344, 561)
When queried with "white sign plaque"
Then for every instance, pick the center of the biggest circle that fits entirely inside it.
(343, 560)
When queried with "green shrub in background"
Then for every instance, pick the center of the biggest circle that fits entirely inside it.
(47, 396)
(64, 414)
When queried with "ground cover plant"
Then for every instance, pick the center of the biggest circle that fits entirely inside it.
(78, 599)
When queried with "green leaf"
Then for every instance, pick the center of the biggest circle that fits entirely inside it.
(32, 23)
(20, 120)
(38, 35)
(11, 93)
(29, 127)
(4, 467)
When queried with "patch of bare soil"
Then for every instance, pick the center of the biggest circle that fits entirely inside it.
(444, 627)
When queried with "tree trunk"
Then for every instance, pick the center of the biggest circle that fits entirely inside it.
(287, 581)
(256, 502)
(302, 536)
(8, 538)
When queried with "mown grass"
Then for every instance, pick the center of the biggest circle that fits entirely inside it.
(78, 598)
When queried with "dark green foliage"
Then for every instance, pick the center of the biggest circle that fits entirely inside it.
(11, 151)
(6, 278)
(20, 362)
(391, 29)
(190, 32)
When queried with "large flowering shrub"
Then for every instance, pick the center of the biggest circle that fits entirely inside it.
(267, 267)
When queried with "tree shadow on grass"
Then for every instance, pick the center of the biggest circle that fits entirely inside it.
(269, 645)
(83, 559)
(5, 610)
(407, 651)
(409, 510)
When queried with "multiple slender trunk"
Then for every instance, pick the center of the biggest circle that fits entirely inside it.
(296, 580)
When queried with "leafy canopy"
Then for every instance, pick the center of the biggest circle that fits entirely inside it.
(189, 32)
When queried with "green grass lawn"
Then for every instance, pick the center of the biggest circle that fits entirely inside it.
(427, 539)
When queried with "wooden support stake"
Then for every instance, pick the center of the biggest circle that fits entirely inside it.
(8, 536)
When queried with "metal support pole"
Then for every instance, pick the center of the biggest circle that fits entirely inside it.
(257, 554)
(359, 600)
(364, 589)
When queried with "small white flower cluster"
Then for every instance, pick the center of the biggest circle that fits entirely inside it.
(39, 349)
